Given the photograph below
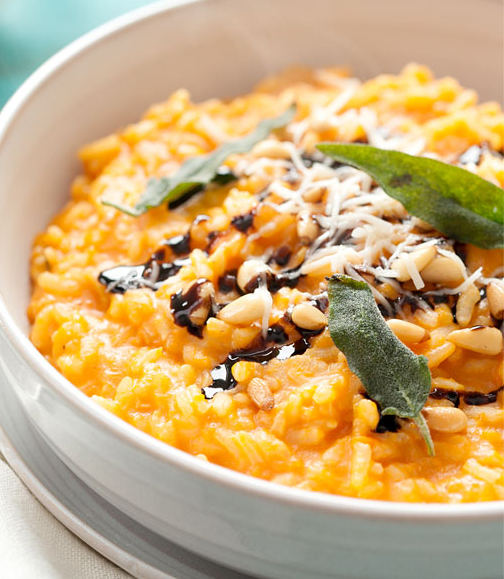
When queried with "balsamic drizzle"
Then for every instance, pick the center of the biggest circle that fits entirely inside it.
(227, 282)
(151, 274)
(190, 309)
(281, 256)
(243, 222)
(470, 398)
(387, 423)
(222, 375)
(179, 244)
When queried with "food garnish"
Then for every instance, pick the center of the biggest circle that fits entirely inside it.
(198, 172)
(455, 201)
(393, 376)
(212, 331)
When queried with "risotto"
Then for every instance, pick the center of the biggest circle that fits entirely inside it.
(203, 321)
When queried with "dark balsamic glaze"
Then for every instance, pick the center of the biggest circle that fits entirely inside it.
(212, 238)
(281, 256)
(402, 300)
(436, 300)
(289, 278)
(274, 281)
(222, 376)
(452, 395)
(179, 244)
(460, 250)
(227, 282)
(387, 423)
(321, 302)
(185, 197)
(414, 299)
(277, 334)
(200, 218)
(479, 399)
(243, 222)
(470, 398)
(222, 177)
(123, 278)
(127, 277)
(184, 304)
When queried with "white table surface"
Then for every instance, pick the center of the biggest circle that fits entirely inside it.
(34, 545)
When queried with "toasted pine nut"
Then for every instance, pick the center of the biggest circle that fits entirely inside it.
(307, 228)
(272, 149)
(445, 419)
(260, 393)
(314, 194)
(199, 315)
(481, 339)
(465, 305)
(250, 272)
(495, 295)
(445, 270)
(244, 310)
(408, 332)
(420, 257)
(308, 317)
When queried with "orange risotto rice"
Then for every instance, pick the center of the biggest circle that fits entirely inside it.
(292, 216)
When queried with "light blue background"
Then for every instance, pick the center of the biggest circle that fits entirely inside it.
(32, 30)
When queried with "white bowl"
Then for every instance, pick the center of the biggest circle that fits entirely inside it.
(220, 48)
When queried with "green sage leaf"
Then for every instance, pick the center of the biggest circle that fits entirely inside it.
(453, 200)
(393, 376)
(198, 172)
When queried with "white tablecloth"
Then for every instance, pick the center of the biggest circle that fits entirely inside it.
(34, 545)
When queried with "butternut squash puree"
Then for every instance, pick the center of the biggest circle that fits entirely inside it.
(126, 352)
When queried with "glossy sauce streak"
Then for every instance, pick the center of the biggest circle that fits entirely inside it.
(470, 398)
(227, 282)
(388, 423)
(123, 278)
(243, 222)
(183, 304)
(179, 244)
(281, 256)
(222, 375)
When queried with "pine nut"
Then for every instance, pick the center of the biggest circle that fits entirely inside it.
(481, 339)
(307, 227)
(420, 257)
(408, 332)
(444, 270)
(495, 295)
(308, 317)
(250, 273)
(314, 194)
(260, 393)
(465, 305)
(200, 314)
(445, 419)
(244, 310)
(272, 149)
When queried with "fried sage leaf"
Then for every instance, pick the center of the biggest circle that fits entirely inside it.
(393, 376)
(453, 200)
(198, 172)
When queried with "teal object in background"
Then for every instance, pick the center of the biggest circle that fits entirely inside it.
(33, 30)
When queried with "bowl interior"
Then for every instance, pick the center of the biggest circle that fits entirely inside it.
(213, 48)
